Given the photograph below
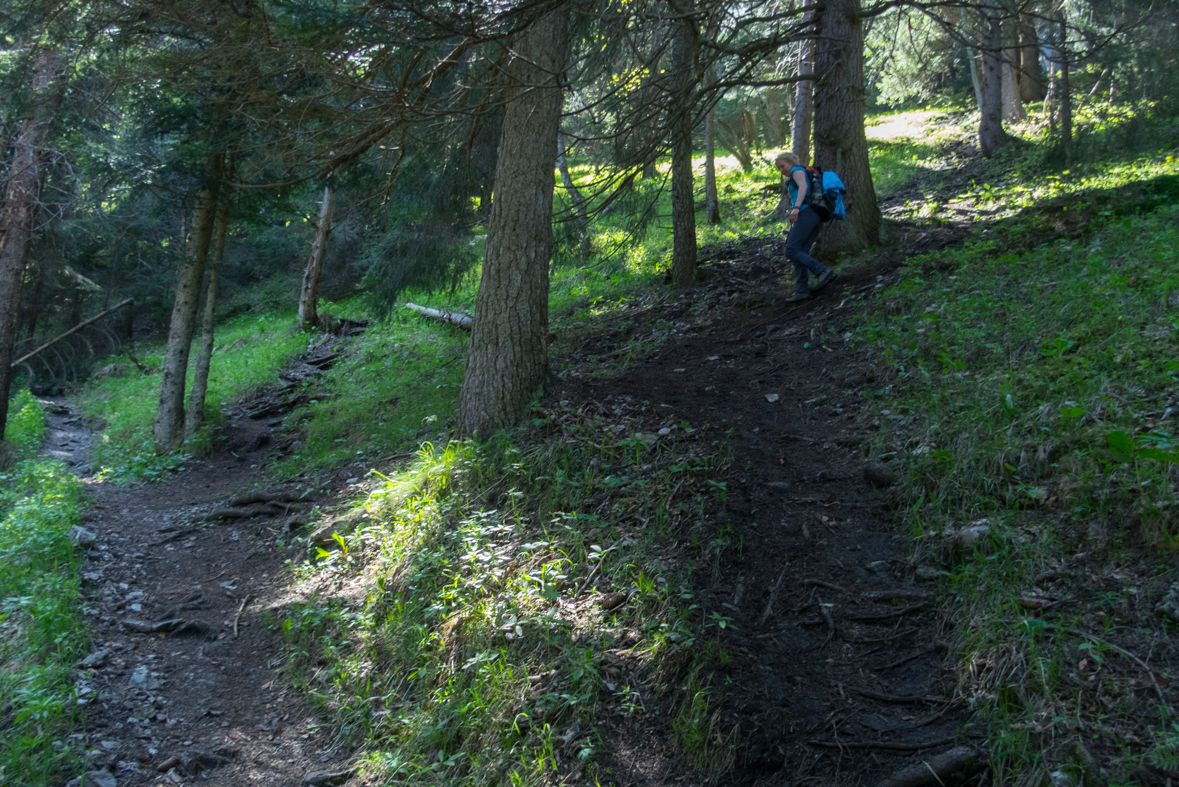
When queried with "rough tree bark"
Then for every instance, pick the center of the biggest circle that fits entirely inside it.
(840, 142)
(804, 104)
(711, 198)
(200, 375)
(18, 211)
(576, 197)
(167, 426)
(991, 136)
(683, 199)
(508, 358)
(309, 293)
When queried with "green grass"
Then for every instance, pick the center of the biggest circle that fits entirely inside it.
(41, 630)
(466, 649)
(1028, 393)
(249, 353)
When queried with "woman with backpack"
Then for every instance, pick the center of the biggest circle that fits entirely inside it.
(805, 223)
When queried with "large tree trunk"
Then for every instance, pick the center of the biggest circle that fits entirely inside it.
(508, 358)
(200, 375)
(804, 102)
(1031, 74)
(683, 198)
(840, 142)
(18, 211)
(309, 293)
(991, 136)
(576, 198)
(775, 131)
(168, 425)
(711, 198)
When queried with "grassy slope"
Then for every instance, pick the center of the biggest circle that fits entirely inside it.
(41, 630)
(1026, 391)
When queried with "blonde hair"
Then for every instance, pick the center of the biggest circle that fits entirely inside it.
(789, 158)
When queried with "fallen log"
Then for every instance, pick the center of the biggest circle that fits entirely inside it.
(75, 329)
(953, 765)
(457, 319)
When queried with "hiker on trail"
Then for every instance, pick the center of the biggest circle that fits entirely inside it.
(805, 223)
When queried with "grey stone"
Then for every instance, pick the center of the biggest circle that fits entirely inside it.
(98, 779)
(96, 660)
(81, 537)
(328, 778)
(1169, 606)
(142, 680)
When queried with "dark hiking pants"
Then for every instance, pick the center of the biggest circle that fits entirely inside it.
(798, 247)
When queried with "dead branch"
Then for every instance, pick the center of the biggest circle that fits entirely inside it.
(238, 616)
(75, 329)
(457, 319)
(893, 745)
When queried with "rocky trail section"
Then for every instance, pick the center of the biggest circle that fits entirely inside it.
(179, 579)
(834, 670)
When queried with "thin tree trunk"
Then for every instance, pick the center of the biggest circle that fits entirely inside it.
(1066, 114)
(1012, 101)
(804, 103)
(683, 197)
(35, 311)
(840, 142)
(972, 56)
(775, 132)
(309, 293)
(508, 358)
(711, 198)
(168, 425)
(18, 211)
(991, 136)
(576, 197)
(200, 375)
(1031, 74)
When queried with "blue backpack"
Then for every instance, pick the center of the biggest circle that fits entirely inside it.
(825, 194)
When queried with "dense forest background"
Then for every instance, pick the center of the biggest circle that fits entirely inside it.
(140, 107)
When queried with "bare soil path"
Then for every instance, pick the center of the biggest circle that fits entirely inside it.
(180, 681)
(836, 671)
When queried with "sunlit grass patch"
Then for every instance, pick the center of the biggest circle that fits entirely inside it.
(41, 631)
(503, 597)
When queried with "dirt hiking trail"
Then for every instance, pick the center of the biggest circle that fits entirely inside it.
(836, 672)
(180, 680)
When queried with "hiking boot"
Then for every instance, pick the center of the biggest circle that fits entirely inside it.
(798, 296)
(825, 279)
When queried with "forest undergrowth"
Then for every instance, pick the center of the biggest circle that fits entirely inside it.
(1026, 383)
(42, 631)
